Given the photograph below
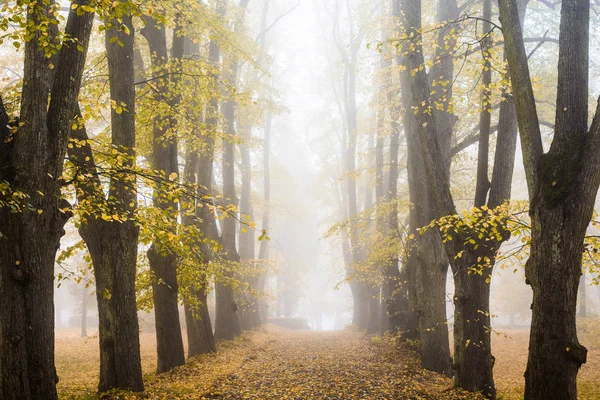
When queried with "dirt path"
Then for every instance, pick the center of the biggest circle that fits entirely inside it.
(272, 363)
(329, 365)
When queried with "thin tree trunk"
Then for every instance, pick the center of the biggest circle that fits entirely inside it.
(162, 260)
(84, 307)
(227, 322)
(263, 250)
(113, 244)
(582, 297)
(198, 171)
(249, 317)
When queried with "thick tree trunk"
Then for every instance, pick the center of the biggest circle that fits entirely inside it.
(554, 266)
(473, 360)
(32, 163)
(199, 328)
(114, 263)
(563, 185)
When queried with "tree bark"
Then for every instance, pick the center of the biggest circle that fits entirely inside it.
(32, 163)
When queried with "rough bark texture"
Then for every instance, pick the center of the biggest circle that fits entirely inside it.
(563, 184)
(32, 163)
(163, 262)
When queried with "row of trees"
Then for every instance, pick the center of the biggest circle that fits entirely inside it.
(152, 192)
(452, 74)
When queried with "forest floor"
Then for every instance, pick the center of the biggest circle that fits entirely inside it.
(275, 363)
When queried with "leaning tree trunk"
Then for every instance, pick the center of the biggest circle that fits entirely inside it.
(162, 259)
(32, 163)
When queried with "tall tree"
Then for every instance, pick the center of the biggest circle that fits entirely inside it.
(162, 259)
(563, 184)
(114, 265)
(31, 163)
(426, 265)
(249, 317)
(227, 323)
(198, 173)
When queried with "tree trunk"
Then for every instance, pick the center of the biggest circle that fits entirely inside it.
(427, 265)
(563, 184)
(249, 317)
(113, 244)
(162, 259)
(395, 290)
(198, 171)
(32, 163)
(84, 306)
(263, 250)
(554, 266)
(227, 323)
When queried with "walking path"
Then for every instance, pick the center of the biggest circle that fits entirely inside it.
(272, 363)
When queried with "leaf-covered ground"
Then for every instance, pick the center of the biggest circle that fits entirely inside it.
(275, 363)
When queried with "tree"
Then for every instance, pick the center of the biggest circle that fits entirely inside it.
(32, 154)
(471, 244)
(163, 261)
(196, 213)
(227, 323)
(114, 265)
(562, 183)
